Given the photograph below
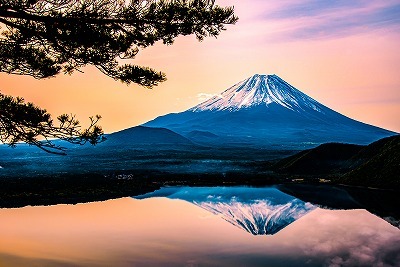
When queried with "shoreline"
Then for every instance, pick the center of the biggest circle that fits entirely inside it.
(72, 189)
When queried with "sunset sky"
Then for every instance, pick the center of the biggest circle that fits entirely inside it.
(345, 54)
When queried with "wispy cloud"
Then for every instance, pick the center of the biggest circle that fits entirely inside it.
(204, 96)
(324, 19)
(315, 19)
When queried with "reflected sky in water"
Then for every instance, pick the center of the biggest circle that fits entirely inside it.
(169, 232)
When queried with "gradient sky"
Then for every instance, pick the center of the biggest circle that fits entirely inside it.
(345, 54)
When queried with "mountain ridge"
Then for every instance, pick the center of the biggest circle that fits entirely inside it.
(141, 135)
(375, 165)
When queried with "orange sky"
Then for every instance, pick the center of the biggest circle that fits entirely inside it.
(343, 54)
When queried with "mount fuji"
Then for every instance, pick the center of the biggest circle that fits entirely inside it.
(265, 111)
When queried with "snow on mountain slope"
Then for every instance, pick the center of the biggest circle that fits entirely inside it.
(259, 211)
(260, 90)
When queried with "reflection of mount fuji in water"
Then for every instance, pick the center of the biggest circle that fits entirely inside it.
(259, 211)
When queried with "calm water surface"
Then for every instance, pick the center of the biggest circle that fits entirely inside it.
(183, 226)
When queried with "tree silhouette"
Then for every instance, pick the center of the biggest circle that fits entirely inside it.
(20, 121)
(43, 38)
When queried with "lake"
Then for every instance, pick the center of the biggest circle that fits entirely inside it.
(197, 226)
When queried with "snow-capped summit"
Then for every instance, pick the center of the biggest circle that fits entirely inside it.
(259, 90)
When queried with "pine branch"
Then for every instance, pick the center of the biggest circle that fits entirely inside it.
(25, 122)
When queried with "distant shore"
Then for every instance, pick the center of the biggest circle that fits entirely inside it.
(73, 189)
